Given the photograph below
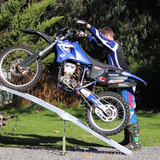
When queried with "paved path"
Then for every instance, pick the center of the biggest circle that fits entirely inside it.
(77, 153)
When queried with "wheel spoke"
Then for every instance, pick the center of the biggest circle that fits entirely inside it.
(113, 119)
(21, 78)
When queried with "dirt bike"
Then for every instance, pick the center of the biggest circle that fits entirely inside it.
(107, 113)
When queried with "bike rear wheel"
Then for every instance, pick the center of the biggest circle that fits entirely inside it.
(10, 76)
(114, 119)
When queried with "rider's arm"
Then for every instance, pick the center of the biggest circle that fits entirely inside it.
(114, 58)
(91, 39)
(112, 45)
(94, 41)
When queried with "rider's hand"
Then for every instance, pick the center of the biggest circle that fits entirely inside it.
(81, 33)
(79, 23)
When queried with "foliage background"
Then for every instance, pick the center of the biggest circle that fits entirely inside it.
(135, 23)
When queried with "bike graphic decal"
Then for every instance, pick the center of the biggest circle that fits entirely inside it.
(103, 79)
(65, 47)
(112, 81)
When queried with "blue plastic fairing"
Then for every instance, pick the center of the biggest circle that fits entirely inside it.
(71, 51)
(125, 73)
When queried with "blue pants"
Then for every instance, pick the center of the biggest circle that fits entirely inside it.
(128, 95)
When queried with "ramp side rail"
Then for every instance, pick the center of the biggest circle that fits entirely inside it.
(67, 117)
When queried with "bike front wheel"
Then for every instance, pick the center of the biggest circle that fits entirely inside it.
(10, 76)
(113, 120)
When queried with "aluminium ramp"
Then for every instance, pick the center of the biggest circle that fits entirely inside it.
(66, 116)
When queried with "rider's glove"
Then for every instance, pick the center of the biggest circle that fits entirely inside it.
(80, 33)
(79, 23)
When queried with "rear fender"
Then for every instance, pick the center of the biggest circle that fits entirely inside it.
(125, 73)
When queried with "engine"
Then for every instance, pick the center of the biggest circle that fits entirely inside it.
(69, 69)
(70, 75)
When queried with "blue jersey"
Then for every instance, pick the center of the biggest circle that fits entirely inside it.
(113, 48)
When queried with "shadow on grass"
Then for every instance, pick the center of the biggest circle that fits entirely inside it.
(149, 113)
(37, 140)
(49, 143)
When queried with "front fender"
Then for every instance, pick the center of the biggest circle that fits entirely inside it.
(41, 34)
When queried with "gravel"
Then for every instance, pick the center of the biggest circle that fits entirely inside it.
(77, 153)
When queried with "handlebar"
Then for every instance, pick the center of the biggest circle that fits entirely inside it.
(70, 32)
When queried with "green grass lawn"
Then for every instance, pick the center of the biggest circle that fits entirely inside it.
(45, 128)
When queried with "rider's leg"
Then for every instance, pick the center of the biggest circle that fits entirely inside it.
(132, 130)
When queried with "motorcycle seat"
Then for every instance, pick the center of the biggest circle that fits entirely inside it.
(101, 64)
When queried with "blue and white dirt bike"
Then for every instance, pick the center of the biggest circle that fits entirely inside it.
(107, 113)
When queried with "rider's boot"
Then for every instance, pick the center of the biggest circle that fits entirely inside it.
(134, 132)
(126, 137)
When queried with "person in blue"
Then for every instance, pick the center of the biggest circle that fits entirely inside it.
(115, 53)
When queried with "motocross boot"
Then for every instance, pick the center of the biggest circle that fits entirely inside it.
(134, 132)
(126, 137)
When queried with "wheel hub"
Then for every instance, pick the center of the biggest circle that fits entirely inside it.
(16, 69)
(108, 115)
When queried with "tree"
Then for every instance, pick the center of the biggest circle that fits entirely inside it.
(17, 15)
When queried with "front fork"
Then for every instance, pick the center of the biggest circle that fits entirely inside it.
(37, 55)
(22, 67)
